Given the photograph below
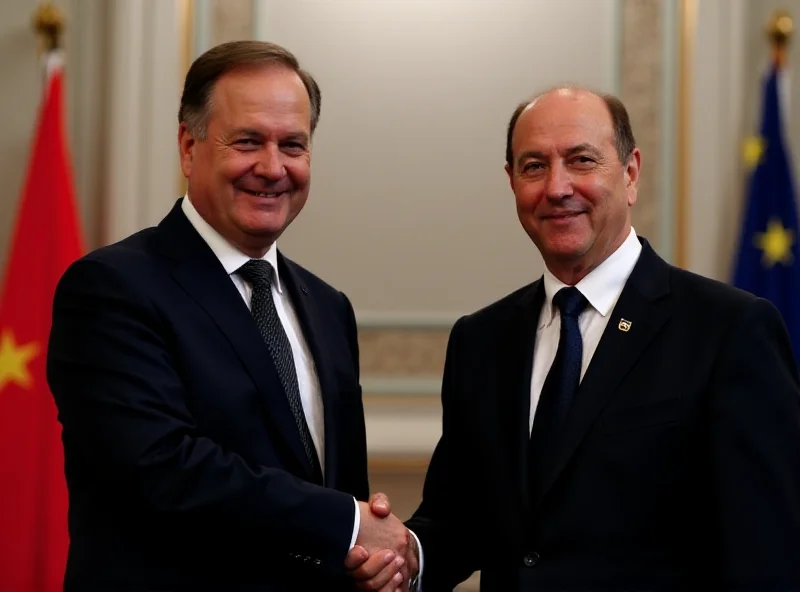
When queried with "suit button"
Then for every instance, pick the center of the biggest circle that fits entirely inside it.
(531, 559)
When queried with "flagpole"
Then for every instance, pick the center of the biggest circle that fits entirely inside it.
(48, 22)
(779, 32)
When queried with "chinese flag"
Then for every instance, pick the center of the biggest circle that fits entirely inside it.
(33, 493)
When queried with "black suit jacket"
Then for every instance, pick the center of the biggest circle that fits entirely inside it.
(184, 466)
(678, 469)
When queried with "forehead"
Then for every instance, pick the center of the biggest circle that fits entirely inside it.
(259, 91)
(564, 119)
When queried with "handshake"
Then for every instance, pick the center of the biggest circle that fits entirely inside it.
(385, 557)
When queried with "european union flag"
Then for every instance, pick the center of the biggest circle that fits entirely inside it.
(768, 262)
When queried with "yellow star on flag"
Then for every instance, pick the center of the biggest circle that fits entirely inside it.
(14, 360)
(776, 243)
(752, 151)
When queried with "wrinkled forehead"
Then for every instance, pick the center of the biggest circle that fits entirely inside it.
(563, 121)
(270, 86)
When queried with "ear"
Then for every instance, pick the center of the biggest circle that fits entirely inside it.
(186, 143)
(632, 170)
(510, 173)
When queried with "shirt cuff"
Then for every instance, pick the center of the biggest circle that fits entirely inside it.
(357, 525)
(418, 583)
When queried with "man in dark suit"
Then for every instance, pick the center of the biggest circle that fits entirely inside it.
(619, 424)
(208, 386)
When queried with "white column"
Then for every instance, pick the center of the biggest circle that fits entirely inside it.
(716, 185)
(260, 9)
(144, 87)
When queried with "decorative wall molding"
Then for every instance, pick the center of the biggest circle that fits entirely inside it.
(400, 430)
(400, 353)
(415, 320)
(397, 463)
(391, 386)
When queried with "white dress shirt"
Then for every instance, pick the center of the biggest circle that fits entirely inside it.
(307, 380)
(601, 287)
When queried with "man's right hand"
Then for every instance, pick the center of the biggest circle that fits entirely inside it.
(382, 558)
(383, 537)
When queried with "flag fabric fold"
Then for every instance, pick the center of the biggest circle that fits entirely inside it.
(46, 239)
(768, 260)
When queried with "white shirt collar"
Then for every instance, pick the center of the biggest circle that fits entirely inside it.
(230, 257)
(602, 286)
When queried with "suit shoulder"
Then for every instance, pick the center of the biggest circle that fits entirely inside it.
(128, 257)
(128, 251)
(722, 308)
(710, 294)
(501, 308)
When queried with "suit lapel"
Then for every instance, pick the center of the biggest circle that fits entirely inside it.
(311, 323)
(197, 270)
(514, 370)
(644, 305)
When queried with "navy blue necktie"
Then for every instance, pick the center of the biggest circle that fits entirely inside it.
(559, 387)
(260, 274)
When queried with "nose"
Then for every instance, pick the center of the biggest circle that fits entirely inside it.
(558, 183)
(270, 164)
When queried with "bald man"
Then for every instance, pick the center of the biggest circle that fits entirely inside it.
(619, 423)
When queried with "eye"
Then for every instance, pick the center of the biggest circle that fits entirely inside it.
(294, 147)
(247, 143)
(583, 160)
(532, 167)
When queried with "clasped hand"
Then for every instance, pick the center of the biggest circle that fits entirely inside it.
(384, 558)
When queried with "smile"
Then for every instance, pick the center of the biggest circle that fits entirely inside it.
(262, 194)
(563, 216)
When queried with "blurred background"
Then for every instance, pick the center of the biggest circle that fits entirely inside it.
(410, 212)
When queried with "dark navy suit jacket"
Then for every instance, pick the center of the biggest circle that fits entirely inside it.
(678, 468)
(183, 462)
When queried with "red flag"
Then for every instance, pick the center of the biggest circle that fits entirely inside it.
(47, 238)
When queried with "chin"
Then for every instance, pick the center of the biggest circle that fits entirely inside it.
(566, 250)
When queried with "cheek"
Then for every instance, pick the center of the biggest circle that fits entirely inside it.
(299, 171)
(234, 166)
(528, 197)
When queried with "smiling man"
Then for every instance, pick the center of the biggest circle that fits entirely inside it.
(618, 424)
(208, 386)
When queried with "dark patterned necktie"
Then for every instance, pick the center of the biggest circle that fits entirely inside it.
(260, 274)
(559, 387)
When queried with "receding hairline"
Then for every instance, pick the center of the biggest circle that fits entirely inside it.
(255, 68)
(571, 92)
(619, 119)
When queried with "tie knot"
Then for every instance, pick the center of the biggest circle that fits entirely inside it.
(570, 302)
(257, 272)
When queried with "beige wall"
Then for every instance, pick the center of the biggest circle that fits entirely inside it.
(410, 211)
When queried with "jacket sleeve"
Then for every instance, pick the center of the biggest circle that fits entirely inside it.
(123, 408)
(442, 522)
(755, 450)
(353, 472)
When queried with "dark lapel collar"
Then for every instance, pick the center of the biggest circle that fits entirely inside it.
(198, 271)
(644, 304)
(514, 370)
(313, 329)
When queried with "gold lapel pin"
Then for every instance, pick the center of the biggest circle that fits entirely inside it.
(624, 325)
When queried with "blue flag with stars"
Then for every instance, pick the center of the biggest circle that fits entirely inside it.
(768, 262)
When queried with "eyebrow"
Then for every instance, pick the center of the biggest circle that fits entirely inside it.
(246, 131)
(577, 149)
